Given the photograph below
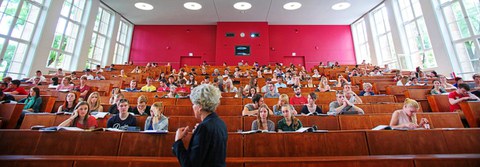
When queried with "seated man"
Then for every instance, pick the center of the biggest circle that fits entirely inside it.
(343, 106)
(114, 108)
(149, 86)
(280, 83)
(15, 89)
(39, 75)
(350, 95)
(252, 108)
(271, 93)
(298, 99)
(163, 86)
(122, 120)
(459, 95)
(142, 108)
(99, 76)
(88, 74)
(265, 87)
(133, 87)
(475, 86)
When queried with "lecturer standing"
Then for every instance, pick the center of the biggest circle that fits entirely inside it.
(208, 145)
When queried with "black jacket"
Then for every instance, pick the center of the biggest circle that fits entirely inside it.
(208, 145)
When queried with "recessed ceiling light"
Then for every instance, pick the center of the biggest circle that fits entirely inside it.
(143, 6)
(192, 5)
(242, 5)
(341, 6)
(292, 6)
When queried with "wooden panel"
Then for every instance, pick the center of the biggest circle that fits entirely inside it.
(462, 141)
(44, 163)
(89, 163)
(412, 142)
(380, 143)
(184, 102)
(322, 122)
(178, 111)
(9, 114)
(88, 143)
(352, 122)
(231, 101)
(18, 142)
(471, 110)
(37, 119)
(464, 162)
(270, 102)
(140, 144)
(439, 103)
(235, 145)
(302, 145)
(344, 143)
(233, 123)
(265, 145)
(58, 143)
(443, 120)
(229, 110)
(329, 163)
(378, 99)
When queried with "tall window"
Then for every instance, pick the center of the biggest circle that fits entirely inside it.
(18, 21)
(100, 38)
(383, 38)
(420, 48)
(122, 47)
(66, 33)
(362, 50)
(463, 20)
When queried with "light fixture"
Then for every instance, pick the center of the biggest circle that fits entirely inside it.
(242, 5)
(341, 6)
(143, 6)
(192, 6)
(292, 6)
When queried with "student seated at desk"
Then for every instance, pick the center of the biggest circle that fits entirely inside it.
(114, 109)
(6, 98)
(343, 106)
(33, 102)
(289, 122)
(81, 118)
(142, 108)
(149, 86)
(157, 121)
(277, 108)
(123, 119)
(437, 88)
(262, 122)
(252, 108)
(133, 87)
(311, 107)
(367, 90)
(407, 117)
(69, 103)
(94, 102)
(65, 85)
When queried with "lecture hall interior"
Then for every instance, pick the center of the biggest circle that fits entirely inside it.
(303, 82)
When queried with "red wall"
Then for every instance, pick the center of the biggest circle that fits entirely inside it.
(258, 46)
(314, 43)
(169, 43)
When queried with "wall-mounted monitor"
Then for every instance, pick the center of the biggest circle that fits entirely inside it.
(242, 50)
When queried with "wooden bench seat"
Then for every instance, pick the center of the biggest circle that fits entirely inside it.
(465, 160)
(9, 114)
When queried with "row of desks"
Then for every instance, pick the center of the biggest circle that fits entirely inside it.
(331, 143)
(235, 123)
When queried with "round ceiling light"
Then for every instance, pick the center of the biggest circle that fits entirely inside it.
(341, 6)
(242, 5)
(292, 6)
(192, 5)
(143, 6)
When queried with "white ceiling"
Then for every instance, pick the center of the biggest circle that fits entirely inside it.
(172, 12)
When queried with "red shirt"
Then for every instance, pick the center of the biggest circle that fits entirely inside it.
(163, 89)
(91, 121)
(298, 100)
(454, 95)
(20, 91)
